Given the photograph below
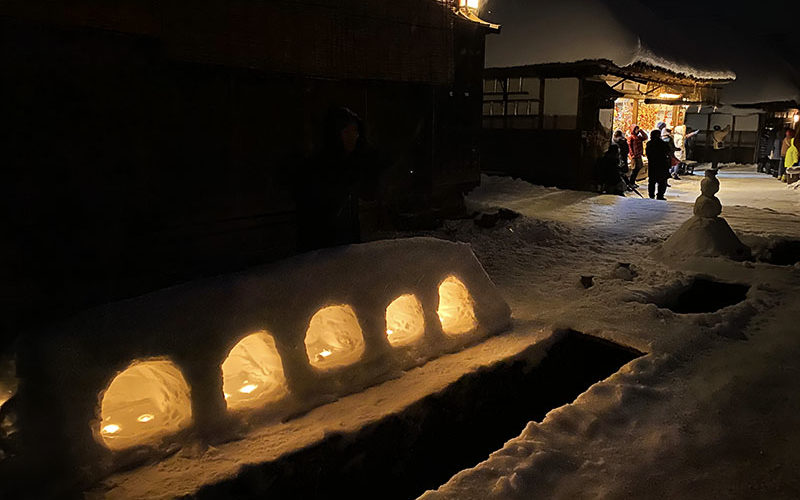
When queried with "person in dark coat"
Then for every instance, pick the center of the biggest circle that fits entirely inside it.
(327, 189)
(658, 164)
(608, 173)
(622, 144)
(688, 143)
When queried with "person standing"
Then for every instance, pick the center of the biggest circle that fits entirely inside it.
(792, 158)
(718, 144)
(636, 151)
(683, 137)
(658, 155)
(328, 187)
(622, 146)
(788, 140)
(688, 143)
(673, 160)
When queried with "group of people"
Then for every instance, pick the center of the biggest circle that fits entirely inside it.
(665, 149)
(777, 151)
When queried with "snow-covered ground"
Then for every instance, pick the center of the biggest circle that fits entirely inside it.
(739, 185)
(712, 410)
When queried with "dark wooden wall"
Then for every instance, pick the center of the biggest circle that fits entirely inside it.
(148, 153)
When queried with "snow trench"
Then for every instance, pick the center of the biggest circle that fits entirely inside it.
(420, 448)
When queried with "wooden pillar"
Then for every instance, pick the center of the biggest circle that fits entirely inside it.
(541, 102)
(504, 86)
(636, 111)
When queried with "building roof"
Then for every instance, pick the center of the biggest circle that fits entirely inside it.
(571, 31)
(642, 72)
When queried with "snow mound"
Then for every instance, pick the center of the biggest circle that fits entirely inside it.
(705, 237)
(706, 234)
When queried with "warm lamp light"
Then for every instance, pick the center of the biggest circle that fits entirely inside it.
(796, 118)
(334, 338)
(151, 392)
(405, 321)
(469, 4)
(668, 95)
(252, 374)
(456, 307)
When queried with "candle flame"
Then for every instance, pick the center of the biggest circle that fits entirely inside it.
(111, 429)
(248, 388)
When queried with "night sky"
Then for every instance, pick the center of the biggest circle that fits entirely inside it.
(753, 39)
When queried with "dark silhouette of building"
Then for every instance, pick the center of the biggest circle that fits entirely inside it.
(148, 143)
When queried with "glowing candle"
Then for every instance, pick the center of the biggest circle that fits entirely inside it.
(248, 388)
(111, 429)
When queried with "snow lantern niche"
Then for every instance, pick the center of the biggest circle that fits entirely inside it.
(405, 321)
(334, 338)
(252, 374)
(456, 307)
(146, 401)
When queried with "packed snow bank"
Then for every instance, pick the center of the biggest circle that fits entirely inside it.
(206, 359)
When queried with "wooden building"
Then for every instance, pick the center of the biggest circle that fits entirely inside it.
(741, 143)
(755, 128)
(548, 123)
(148, 143)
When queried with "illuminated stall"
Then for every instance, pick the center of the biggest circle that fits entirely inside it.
(629, 111)
(567, 112)
(653, 95)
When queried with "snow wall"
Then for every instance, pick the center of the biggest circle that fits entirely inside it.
(201, 362)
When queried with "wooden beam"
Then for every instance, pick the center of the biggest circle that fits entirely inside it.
(541, 102)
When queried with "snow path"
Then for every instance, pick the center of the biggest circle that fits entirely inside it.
(704, 414)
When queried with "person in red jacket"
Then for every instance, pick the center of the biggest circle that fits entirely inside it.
(636, 150)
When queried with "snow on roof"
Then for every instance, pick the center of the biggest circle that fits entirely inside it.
(647, 56)
(574, 30)
(626, 32)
